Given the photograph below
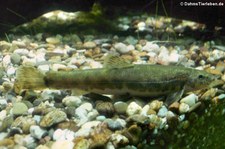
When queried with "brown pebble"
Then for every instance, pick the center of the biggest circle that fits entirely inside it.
(151, 111)
(71, 125)
(8, 143)
(174, 106)
(52, 118)
(105, 108)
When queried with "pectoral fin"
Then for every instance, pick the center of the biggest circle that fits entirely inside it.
(173, 97)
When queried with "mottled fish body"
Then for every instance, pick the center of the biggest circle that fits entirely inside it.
(121, 79)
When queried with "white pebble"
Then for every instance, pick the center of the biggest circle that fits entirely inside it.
(184, 108)
(85, 130)
(72, 101)
(141, 26)
(3, 114)
(151, 47)
(174, 58)
(87, 106)
(65, 144)
(52, 40)
(37, 132)
(133, 108)
(6, 60)
(22, 51)
(144, 110)
(121, 48)
(56, 67)
(190, 99)
(92, 115)
(11, 71)
(109, 145)
(44, 68)
(65, 134)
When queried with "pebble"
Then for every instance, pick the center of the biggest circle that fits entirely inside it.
(44, 68)
(65, 134)
(24, 123)
(22, 52)
(92, 115)
(141, 26)
(86, 106)
(72, 101)
(100, 118)
(133, 134)
(3, 114)
(105, 108)
(223, 77)
(184, 108)
(86, 128)
(6, 123)
(133, 108)
(118, 140)
(15, 58)
(89, 45)
(121, 48)
(53, 40)
(11, 71)
(65, 144)
(81, 143)
(19, 108)
(221, 96)
(155, 105)
(120, 107)
(70, 125)
(209, 94)
(162, 111)
(151, 47)
(190, 99)
(117, 124)
(145, 110)
(37, 132)
(53, 117)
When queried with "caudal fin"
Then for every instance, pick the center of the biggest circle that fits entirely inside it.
(28, 77)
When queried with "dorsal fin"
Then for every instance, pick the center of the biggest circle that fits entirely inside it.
(114, 61)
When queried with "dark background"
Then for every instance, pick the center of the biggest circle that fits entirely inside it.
(15, 12)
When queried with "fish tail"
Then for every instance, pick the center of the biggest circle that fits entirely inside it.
(28, 77)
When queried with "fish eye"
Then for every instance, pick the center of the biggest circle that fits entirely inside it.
(200, 76)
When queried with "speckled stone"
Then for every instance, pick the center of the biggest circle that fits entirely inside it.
(72, 101)
(155, 105)
(105, 108)
(53, 117)
(24, 123)
(6, 123)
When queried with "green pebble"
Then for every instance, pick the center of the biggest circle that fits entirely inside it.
(19, 108)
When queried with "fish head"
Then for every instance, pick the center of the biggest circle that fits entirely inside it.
(199, 79)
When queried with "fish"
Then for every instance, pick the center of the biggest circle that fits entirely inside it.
(118, 77)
